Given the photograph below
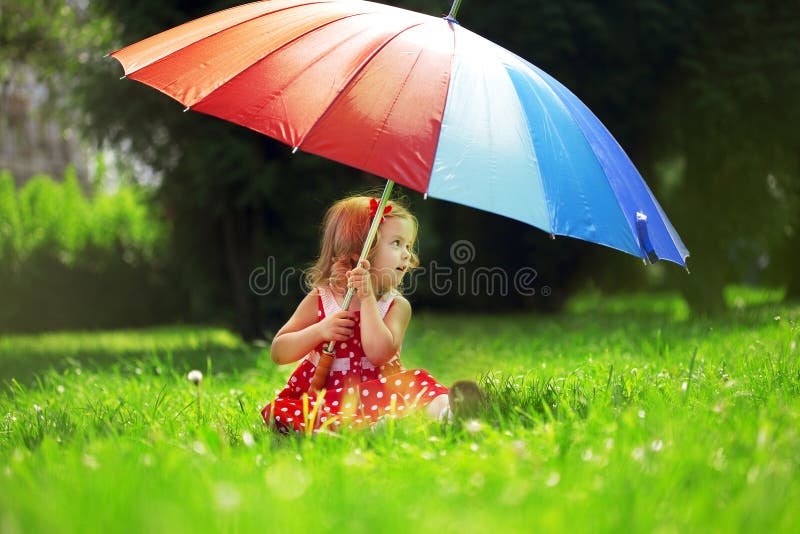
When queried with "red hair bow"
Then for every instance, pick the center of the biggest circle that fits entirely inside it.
(373, 209)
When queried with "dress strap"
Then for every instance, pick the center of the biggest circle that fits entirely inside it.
(385, 303)
(329, 304)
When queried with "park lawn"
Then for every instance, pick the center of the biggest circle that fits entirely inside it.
(622, 413)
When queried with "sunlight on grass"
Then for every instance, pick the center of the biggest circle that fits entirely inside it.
(670, 305)
(622, 414)
(740, 297)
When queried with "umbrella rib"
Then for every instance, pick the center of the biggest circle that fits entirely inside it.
(351, 79)
(221, 30)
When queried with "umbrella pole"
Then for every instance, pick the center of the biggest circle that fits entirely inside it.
(454, 10)
(329, 351)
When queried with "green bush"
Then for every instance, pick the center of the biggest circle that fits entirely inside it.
(71, 260)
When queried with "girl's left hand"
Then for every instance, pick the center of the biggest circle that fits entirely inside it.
(360, 279)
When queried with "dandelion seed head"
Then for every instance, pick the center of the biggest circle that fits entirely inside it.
(60, 389)
(587, 455)
(641, 414)
(638, 454)
(247, 439)
(195, 377)
(684, 385)
(553, 479)
(657, 445)
(199, 447)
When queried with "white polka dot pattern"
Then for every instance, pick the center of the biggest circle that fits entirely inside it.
(387, 390)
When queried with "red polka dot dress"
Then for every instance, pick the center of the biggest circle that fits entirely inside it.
(357, 393)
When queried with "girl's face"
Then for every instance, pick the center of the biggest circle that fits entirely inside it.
(393, 253)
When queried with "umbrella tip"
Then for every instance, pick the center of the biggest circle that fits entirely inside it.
(553, 237)
(294, 149)
(123, 76)
(107, 55)
(187, 108)
(425, 195)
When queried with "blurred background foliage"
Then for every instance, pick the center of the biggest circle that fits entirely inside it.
(702, 94)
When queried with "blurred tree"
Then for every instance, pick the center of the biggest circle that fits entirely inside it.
(731, 111)
(229, 192)
(54, 39)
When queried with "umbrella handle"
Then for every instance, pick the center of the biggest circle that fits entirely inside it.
(323, 369)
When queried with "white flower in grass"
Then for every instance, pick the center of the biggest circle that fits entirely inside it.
(195, 377)
(638, 454)
(473, 427)
(657, 445)
(90, 462)
(553, 479)
(37, 408)
(247, 438)
(226, 497)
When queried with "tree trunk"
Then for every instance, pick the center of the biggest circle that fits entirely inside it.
(239, 279)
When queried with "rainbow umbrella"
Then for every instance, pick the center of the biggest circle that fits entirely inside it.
(418, 100)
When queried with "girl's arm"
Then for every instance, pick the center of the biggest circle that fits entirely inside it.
(381, 338)
(302, 332)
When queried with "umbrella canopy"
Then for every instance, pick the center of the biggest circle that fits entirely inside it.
(415, 99)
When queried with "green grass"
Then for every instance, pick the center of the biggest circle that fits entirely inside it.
(623, 413)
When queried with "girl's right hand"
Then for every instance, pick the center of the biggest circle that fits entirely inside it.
(337, 327)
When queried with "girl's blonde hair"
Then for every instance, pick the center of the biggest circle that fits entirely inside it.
(344, 231)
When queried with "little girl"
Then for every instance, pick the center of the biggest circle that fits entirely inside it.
(366, 381)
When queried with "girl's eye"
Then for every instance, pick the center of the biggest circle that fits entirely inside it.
(396, 242)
